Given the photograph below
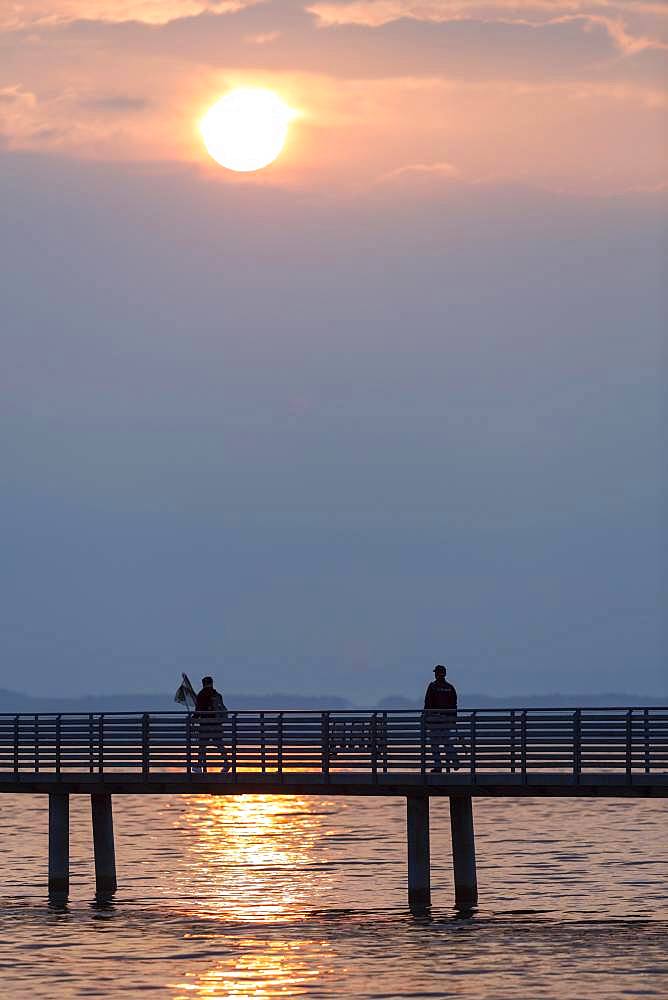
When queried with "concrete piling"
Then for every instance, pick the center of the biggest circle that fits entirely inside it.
(103, 844)
(59, 843)
(417, 825)
(463, 851)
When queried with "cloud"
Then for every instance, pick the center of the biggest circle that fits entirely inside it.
(377, 12)
(25, 123)
(116, 103)
(263, 38)
(626, 41)
(16, 96)
(457, 42)
(631, 26)
(17, 114)
(463, 48)
(66, 120)
(43, 13)
(413, 172)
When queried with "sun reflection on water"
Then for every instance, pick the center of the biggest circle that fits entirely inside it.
(279, 969)
(255, 854)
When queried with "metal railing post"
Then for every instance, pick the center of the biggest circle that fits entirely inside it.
(374, 746)
(263, 745)
(629, 745)
(91, 744)
(385, 743)
(577, 745)
(58, 736)
(512, 741)
(423, 745)
(145, 745)
(100, 743)
(279, 748)
(324, 749)
(234, 744)
(648, 762)
(523, 745)
(189, 743)
(16, 744)
(473, 722)
(36, 743)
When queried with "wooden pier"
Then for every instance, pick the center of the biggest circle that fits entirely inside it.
(514, 752)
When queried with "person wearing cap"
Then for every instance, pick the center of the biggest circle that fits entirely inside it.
(210, 713)
(440, 707)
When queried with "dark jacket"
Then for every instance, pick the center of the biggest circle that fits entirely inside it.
(209, 706)
(440, 704)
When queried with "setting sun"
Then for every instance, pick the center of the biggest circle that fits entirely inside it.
(246, 129)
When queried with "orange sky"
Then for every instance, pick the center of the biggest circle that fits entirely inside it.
(565, 94)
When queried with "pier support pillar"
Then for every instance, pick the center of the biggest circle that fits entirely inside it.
(59, 843)
(417, 826)
(103, 844)
(463, 852)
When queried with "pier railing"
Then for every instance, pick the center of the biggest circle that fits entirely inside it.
(574, 742)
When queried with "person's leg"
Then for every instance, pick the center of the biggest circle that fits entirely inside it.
(435, 739)
(451, 756)
(201, 756)
(222, 750)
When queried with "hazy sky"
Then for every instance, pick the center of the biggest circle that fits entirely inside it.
(398, 399)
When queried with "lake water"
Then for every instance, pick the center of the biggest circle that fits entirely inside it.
(265, 897)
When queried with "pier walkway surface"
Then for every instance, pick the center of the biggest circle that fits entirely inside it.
(621, 752)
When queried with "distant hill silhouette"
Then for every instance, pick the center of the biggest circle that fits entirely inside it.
(556, 700)
(14, 701)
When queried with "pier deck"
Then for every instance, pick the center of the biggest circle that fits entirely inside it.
(607, 751)
(606, 785)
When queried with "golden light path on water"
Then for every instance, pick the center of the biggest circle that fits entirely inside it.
(248, 839)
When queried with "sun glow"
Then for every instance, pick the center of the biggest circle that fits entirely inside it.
(246, 130)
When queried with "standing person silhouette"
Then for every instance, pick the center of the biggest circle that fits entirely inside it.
(210, 713)
(440, 705)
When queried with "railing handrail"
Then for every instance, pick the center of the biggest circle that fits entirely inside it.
(317, 713)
